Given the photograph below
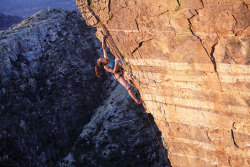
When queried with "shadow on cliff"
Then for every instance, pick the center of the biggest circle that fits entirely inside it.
(118, 134)
(48, 88)
(160, 141)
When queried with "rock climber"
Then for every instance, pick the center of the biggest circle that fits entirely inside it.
(113, 66)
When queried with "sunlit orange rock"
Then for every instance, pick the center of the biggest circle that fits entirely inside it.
(191, 61)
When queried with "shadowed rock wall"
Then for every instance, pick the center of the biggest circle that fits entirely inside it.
(48, 88)
(190, 59)
(118, 135)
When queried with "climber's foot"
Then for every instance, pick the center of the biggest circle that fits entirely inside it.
(138, 101)
(103, 35)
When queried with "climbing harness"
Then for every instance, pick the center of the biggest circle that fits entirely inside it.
(112, 64)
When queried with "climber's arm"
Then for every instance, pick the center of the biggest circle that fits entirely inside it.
(108, 69)
(116, 66)
(112, 70)
(104, 47)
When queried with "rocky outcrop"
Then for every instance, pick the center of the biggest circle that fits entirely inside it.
(6, 21)
(119, 134)
(48, 88)
(190, 59)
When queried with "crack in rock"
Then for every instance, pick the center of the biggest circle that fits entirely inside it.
(162, 13)
(140, 44)
(233, 125)
(233, 59)
(236, 22)
(208, 136)
(202, 3)
(109, 2)
(245, 4)
(232, 133)
(228, 160)
(178, 1)
(137, 25)
(110, 17)
(211, 57)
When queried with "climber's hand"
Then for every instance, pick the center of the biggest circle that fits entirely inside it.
(118, 60)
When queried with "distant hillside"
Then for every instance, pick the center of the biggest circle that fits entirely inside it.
(50, 51)
(26, 8)
(6, 21)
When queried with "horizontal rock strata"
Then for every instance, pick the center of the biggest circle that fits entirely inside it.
(190, 59)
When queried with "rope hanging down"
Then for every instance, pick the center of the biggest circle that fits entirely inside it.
(166, 158)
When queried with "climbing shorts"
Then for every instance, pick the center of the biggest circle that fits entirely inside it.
(120, 78)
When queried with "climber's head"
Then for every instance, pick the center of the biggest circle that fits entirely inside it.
(100, 63)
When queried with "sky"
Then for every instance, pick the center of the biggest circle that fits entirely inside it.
(26, 8)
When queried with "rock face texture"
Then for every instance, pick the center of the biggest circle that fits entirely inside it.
(191, 61)
(48, 88)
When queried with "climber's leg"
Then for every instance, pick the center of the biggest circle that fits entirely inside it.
(129, 77)
(122, 81)
(131, 93)
(105, 54)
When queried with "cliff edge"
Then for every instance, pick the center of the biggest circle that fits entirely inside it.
(191, 60)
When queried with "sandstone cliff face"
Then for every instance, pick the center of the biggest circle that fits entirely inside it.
(191, 63)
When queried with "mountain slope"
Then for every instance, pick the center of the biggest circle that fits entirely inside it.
(26, 8)
(6, 21)
(48, 88)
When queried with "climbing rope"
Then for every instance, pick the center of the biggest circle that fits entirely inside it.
(153, 128)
